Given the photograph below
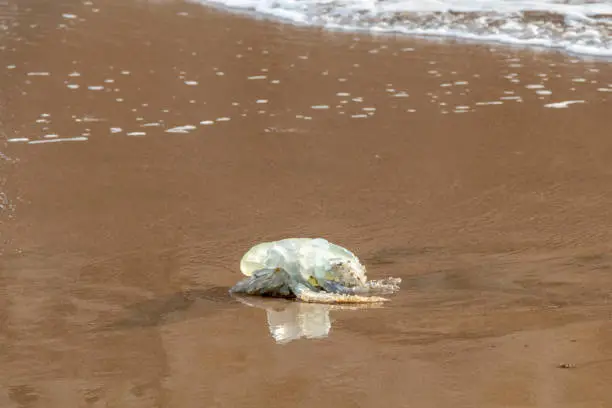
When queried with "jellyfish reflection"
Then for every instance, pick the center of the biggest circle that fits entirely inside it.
(292, 320)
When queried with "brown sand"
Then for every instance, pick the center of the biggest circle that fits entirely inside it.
(119, 250)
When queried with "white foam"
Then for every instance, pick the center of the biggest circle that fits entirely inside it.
(39, 73)
(578, 26)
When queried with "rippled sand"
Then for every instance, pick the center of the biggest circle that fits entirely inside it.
(147, 145)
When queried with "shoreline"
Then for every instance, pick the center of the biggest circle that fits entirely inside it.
(464, 38)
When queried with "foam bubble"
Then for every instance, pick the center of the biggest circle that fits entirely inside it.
(181, 129)
(561, 105)
(59, 140)
(489, 103)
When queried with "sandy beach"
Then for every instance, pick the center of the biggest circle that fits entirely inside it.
(148, 145)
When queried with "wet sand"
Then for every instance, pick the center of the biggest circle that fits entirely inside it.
(434, 161)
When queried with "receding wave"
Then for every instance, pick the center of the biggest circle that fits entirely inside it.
(578, 26)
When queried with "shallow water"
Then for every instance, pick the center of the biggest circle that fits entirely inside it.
(104, 89)
(147, 145)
